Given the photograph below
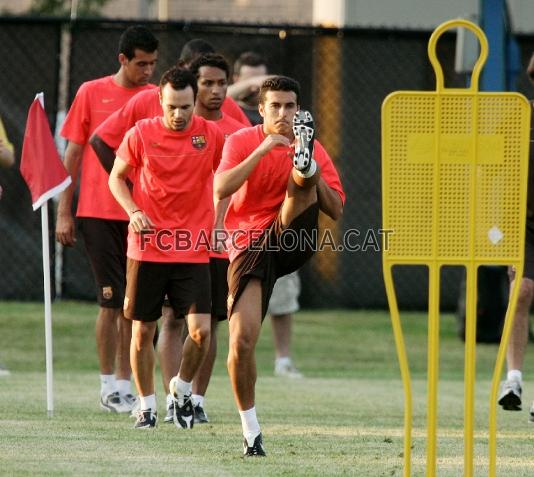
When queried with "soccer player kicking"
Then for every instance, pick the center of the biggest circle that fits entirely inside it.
(279, 179)
(103, 223)
(171, 160)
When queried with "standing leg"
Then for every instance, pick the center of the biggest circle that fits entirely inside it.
(511, 388)
(203, 375)
(194, 351)
(123, 370)
(142, 358)
(106, 342)
(244, 329)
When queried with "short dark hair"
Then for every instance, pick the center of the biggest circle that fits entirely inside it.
(194, 48)
(279, 83)
(210, 59)
(248, 58)
(179, 78)
(137, 37)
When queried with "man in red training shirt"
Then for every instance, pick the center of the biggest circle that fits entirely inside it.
(171, 160)
(278, 179)
(102, 221)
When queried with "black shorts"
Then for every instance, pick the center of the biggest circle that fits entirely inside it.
(187, 285)
(267, 260)
(528, 271)
(219, 287)
(106, 244)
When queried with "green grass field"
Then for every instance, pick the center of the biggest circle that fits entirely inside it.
(344, 418)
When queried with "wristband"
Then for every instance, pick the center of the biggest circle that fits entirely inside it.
(134, 211)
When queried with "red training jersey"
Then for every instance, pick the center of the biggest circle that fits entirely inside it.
(142, 106)
(227, 125)
(94, 102)
(172, 173)
(255, 205)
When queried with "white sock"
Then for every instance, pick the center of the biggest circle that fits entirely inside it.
(123, 386)
(108, 385)
(169, 399)
(250, 424)
(198, 400)
(183, 388)
(148, 402)
(311, 170)
(514, 375)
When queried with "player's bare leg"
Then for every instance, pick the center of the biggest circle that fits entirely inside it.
(511, 388)
(203, 375)
(194, 351)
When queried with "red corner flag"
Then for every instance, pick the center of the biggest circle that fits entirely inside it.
(40, 165)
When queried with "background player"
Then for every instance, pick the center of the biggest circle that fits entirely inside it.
(102, 221)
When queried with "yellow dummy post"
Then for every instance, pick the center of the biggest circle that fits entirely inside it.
(454, 189)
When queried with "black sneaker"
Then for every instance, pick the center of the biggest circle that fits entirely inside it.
(200, 415)
(304, 132)
(256, 450)
(169, 417)
(184, 415)
(146, 419)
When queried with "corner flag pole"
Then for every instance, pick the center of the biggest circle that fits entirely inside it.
(48, 312)
(45, 175)
(47, 301)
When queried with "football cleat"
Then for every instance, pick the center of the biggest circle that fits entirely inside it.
(184, 414)
(146, 419)
(256, 450)
(114, 403)
(200, 415)
(510, 396)
(169, 417)
(287, 369)
(304, 132)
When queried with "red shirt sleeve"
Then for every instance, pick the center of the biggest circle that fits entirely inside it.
(78, 120)
(328, 170)
(130, 149)
(113, 129)
(233, 109)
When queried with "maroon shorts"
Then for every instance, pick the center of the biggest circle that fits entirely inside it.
(273, 255)
(187, 286)
(105, 243)
(219, 288)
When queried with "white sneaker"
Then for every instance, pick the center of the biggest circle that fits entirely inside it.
(510, 395)
(133, 402)
(286, 369)
(114, 403)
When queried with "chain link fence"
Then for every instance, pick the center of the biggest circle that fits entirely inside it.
(344, 74)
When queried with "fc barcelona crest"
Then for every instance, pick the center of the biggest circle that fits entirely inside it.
(198, 142)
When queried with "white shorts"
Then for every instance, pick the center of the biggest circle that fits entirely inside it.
(284, 299)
